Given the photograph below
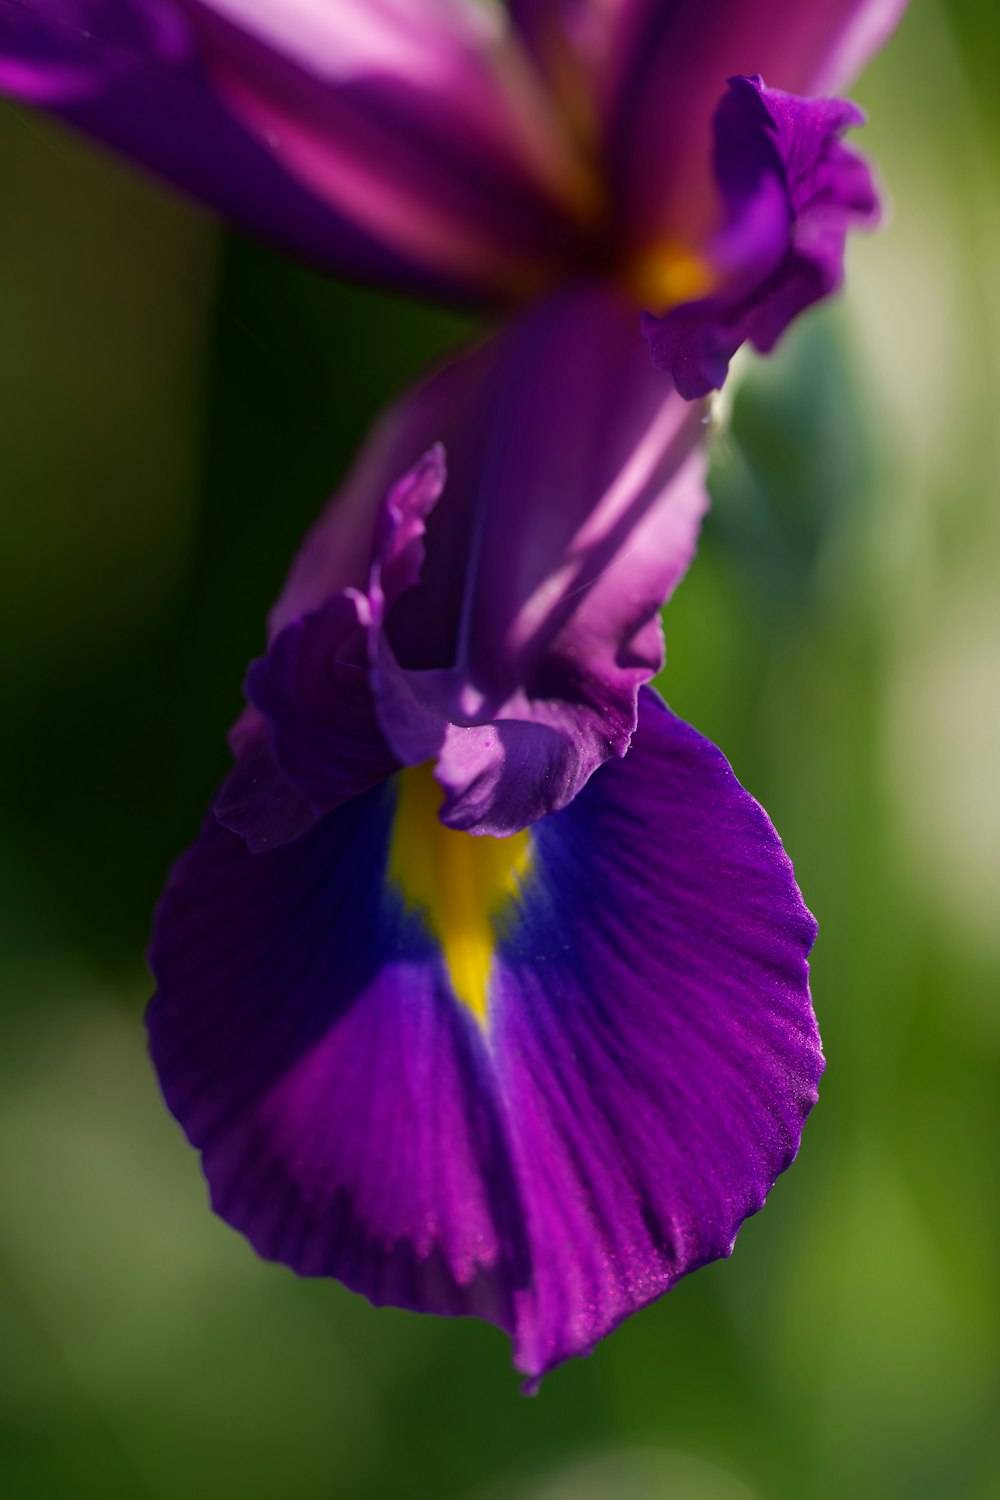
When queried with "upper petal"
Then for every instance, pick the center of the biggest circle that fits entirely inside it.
(130, 74)
(582, 48)
(403, 143)
(55, 51)
(682, 54)
(792, 191)
(421, 124)
(637, 1078)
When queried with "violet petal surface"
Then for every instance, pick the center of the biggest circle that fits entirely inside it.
(792, 191)
(639, 1079)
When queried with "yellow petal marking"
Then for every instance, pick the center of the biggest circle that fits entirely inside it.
(461, 882)
(666, 274)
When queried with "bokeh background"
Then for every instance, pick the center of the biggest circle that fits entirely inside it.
(174, 404)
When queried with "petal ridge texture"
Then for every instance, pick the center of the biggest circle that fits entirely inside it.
(640, 1077)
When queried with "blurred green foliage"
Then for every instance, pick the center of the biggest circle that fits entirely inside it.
(173, 406)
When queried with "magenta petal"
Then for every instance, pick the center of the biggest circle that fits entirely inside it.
(310, 738)
(682, 55)
(583, 48)
(401, 144)
(792, 191)
(655, 1040)
(54, 52)
(621, 45)
(421, 125)
(574, 497)
(646, 1064)
(171, 120)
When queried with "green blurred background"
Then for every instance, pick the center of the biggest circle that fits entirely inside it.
(174, 404)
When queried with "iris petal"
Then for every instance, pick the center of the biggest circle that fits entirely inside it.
(642, 1076)
(53, 52)
(792, 190)
(408, 144)
(508, 644)
(575, 494)
(657, 1049)
(308, 1040)
(421, 124)
(679, 57)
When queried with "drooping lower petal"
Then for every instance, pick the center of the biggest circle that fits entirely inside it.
(308, 1040)
(792, 191)
(535, 1079)
(654, 1036)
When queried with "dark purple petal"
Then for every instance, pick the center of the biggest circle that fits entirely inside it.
(256, 799)
(660, 126)
(53, 52)
(655, 1040)
(306, 1040)
(312, 739)
(422, 125)
(792, 191)
(639, 1078)
(658, 1065)
(400, 143)
(173, 123)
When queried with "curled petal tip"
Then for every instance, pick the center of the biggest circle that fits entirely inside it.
(792, 191)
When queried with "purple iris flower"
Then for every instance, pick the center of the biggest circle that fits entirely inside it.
(485, 154)
(485, 987)
(535, 1078)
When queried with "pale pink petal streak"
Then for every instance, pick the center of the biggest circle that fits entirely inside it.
(424, 123)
